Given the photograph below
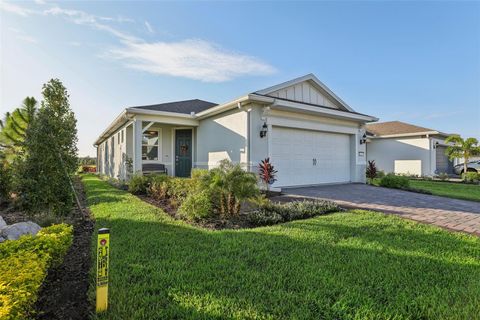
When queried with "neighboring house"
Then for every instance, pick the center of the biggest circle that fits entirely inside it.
(310, 135)
(404, 148)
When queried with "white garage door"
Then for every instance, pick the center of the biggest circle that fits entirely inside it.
(294, 152)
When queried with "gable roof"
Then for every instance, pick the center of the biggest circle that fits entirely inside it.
(396, 128)
(311, 78)
(185, 106)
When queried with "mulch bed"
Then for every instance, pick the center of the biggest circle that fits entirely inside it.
(63, 294)
(218, 223)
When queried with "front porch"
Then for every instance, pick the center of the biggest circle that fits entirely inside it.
(153, 142)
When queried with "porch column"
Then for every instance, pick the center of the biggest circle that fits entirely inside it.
(137, 145)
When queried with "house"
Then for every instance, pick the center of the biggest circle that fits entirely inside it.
(310, 134)
(404, 148)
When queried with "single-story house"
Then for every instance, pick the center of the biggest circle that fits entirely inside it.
(404, 148)
(309, 133)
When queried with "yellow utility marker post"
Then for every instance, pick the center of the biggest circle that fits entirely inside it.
(103, 254)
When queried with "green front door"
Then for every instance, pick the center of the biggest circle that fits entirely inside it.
(183, 152)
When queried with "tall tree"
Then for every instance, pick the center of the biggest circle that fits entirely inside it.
(462, 148)
(51, 153)
(14, 127)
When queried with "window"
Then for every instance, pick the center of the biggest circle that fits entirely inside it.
(122, 135)
(118, 137)
(150, 143)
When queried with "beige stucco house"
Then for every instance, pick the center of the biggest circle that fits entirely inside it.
(310, 134)
(404, 148)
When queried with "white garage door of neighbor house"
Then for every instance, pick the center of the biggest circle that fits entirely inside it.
(294, 152)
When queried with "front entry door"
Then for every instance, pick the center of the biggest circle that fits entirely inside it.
(183, 152)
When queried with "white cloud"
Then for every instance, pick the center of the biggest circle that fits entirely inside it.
(193, 59)
(190, 58)
(83, 18)
(19, 34)
(149, 27)
(75, 43)
(13, 8)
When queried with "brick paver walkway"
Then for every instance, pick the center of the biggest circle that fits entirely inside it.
(453, 214)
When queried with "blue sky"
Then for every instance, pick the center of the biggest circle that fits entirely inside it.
(408, 61)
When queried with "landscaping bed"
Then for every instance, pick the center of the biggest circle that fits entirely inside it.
(64, 292)
(226, 197)
(348, 265)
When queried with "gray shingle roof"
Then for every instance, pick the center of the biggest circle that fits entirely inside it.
(394, 127)
(186, 106)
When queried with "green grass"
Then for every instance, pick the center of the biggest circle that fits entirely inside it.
(449, 189)
(353, 265)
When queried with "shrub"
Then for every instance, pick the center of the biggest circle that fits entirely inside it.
(270, 212)
(199, 174)
(197, 206)
(371, 171)
(23, 267)
(264, 218)
(380, 174)
(138, 184)
(393, 181)
(158, 186)
(179, 188)
(471, 177)
(443, 176)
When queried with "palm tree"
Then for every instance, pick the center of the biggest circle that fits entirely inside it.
(462, 148)
(14, 127)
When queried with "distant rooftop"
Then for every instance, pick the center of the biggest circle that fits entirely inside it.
(186, 106)
(394, 128)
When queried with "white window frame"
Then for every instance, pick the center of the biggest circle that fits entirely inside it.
(159, 145)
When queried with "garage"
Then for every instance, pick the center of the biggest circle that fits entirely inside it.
(443, 163)
(304, 157)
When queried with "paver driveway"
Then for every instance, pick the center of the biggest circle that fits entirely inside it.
(459, 215)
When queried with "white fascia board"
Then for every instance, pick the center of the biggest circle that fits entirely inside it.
(234, 104)
(405, 135)
(332, 113)
(159, 113)
(118, 122)
(308, 77)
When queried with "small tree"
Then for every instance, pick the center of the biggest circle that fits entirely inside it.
(462, 148)
(51, 156)
(267, 173)
(371, 171)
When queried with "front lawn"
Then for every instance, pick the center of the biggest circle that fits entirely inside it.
(353, 265)
(449, 189)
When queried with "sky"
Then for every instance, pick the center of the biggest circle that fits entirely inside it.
(417, 62)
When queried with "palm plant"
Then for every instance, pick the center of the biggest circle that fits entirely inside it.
(462, 148)
(232, 184)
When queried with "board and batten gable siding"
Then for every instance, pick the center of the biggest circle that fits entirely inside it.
(223, 136)
(388, 150)
(304, 92)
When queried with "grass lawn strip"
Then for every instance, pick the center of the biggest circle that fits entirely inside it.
(352, 265)
(449, 189)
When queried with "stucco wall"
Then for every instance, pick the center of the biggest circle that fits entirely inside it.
(386, 151)
(223, 136)
(112, 163)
